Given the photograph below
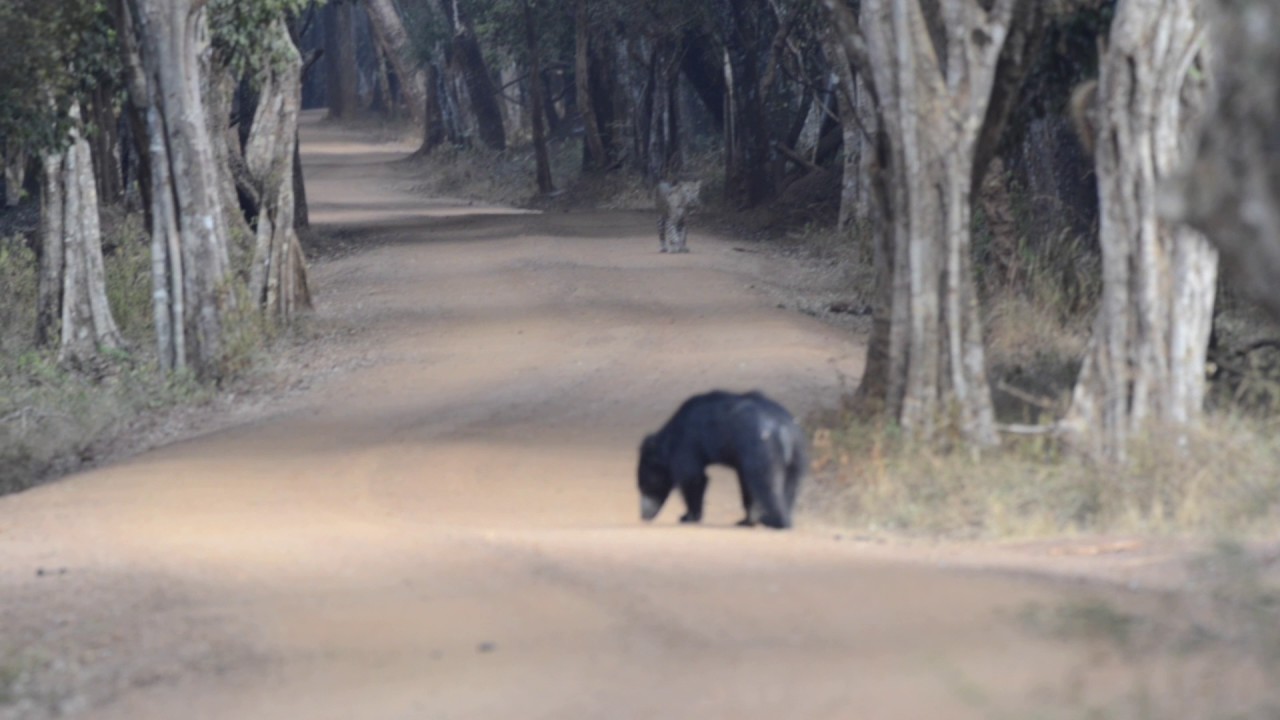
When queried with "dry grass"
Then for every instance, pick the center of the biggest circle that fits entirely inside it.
(1223, 479)
(51, 419)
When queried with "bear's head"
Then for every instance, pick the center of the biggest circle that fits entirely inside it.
(654, 477)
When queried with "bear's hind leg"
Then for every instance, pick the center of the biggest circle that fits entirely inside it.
(748, 506)
(764, 478)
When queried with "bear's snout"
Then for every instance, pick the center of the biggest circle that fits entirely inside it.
(649, 507)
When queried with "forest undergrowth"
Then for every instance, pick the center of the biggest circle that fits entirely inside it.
(55, 419)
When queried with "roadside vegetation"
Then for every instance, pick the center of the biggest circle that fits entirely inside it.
(54, 418)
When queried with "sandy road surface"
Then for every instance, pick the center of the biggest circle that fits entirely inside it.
(448, 528)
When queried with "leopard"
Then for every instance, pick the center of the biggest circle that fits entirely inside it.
(674, 201)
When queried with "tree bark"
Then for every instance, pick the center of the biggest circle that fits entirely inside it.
(105, 143)
(596, 156)
(190, 258)
(301, 211)
(748, 181)
(537, 96)
(15, 174)
(466, 61)
(278, 273)
(1232, 187)
(73, 285)
(1145, 365)
(932, 85)
(340, 61)
(386, 23)
(433, 123)
(857, 121)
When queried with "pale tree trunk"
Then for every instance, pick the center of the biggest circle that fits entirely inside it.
(1232, 186)
(73, 286)
(278, 274)
(387, 25)
(1145, 365)
(932, 109)
(217, 88)
(190, 259)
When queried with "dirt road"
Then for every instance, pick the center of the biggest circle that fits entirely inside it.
(445, 525)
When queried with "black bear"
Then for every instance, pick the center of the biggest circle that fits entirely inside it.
(750, 433)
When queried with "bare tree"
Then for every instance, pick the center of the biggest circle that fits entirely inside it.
(931, 74)
(471, 76)
(1145, 365)
(278, 274)
(1232, 188)
(537, 96)
(596, 153)
(72, 283)
(340, 60)
(389, 28)
(857, 125)
(164, 41)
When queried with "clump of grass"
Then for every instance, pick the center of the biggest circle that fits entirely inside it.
(52, 420)
(1220, 479)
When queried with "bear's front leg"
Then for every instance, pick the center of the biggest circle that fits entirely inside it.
(693, 490)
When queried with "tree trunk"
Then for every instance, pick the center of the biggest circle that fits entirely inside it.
(857, 121)
(52, 254)
(596, 156)
(748, 181)
(301, 211)
(658, 132)
(537, 95)
(15, 174)
(278, 274)
(433, 123)
(73, 286)
(386, 23)
(238, 198)
(1145, 365)
(340, 61)
(189, 240)
(1232, 187)
(932, 97)
(105, 143)
(467, 62)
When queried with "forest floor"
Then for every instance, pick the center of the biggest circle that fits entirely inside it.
(439, 520)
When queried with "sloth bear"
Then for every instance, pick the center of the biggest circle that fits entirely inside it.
(750, 433)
